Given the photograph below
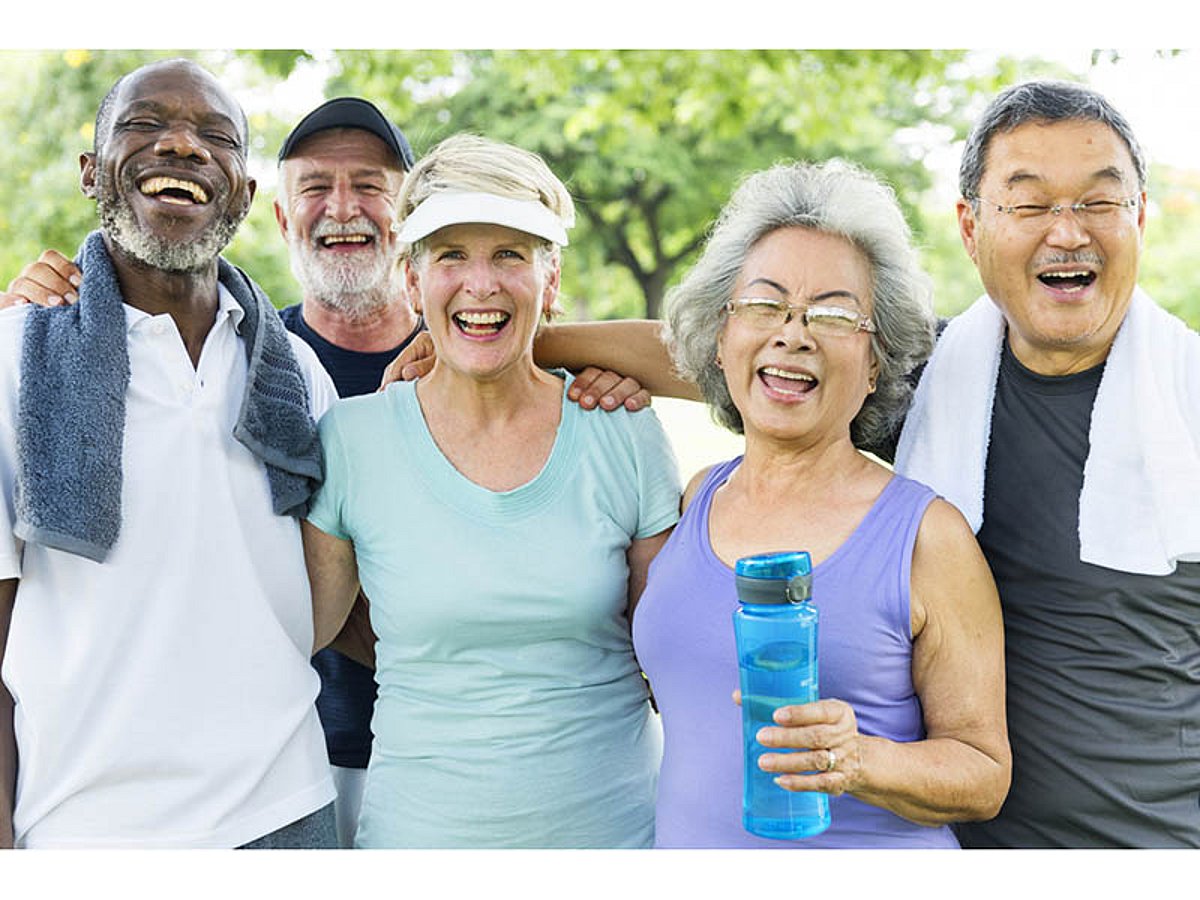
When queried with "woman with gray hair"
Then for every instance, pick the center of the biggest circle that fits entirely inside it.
(501, 534)
(800, 323)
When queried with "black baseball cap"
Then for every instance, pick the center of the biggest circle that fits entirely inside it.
(350, 112)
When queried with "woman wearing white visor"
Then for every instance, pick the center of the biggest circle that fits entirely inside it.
(502, 536)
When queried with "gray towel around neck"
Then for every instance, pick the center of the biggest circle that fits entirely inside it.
(71, 411)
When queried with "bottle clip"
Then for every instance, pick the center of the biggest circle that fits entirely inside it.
(799, 587)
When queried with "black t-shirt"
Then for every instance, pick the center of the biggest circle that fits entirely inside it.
(348, 689)
(1103, 667)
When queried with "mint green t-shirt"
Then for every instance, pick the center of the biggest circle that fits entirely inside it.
(511, 710)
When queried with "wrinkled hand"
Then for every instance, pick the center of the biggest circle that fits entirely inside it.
(413, 362)
(597, 387)
(814, 731)
(51, 281)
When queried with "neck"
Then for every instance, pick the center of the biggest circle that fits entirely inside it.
(487, 402)
(1054, 363)
(773, 467)
(382, 329)
(190, 298)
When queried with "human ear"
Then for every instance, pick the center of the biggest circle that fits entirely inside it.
(87, 174)
(966, 226)
(412, 284)
(281, 220)
(550, 290)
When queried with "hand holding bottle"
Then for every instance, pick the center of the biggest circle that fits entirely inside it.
(829, 748)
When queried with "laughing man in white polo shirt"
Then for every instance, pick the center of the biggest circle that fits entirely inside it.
(157, 689)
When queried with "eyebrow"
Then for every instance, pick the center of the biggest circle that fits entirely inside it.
(769, 283)
(317, 173)
(815, 298)
(830, 295)
(1108, 173)
(209, 119)
(136, 107)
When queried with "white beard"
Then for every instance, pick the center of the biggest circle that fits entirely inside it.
(118, 221)
(358, 285)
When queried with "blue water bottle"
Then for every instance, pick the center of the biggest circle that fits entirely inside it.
(775, 626)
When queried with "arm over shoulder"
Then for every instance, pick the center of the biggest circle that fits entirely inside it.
(631, 347)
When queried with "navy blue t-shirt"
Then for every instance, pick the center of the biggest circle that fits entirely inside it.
(348, 689)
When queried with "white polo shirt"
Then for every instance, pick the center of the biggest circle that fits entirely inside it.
(164, 698)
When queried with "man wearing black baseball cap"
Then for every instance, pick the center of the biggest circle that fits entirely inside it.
(340, 171)
(350, 112)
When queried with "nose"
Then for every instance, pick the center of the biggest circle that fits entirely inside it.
(793, 333)
(341, 203)
(1067, 230)
(479, 279)
(183, 142)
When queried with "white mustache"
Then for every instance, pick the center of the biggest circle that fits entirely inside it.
(357, 225)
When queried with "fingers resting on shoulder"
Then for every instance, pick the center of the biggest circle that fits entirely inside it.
(50, 281)
(595, 387)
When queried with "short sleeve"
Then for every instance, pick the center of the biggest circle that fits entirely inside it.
(657, 472)
(328, 503)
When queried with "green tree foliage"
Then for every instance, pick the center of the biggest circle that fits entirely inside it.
(1168, 271)
(650, 142)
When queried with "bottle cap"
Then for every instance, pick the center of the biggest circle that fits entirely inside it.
(774, 577)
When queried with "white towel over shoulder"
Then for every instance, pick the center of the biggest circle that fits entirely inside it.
(1139, 510)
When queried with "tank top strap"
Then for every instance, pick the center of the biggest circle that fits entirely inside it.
(694, 521)
(890, 527)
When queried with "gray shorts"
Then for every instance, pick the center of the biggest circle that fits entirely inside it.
(316, 831)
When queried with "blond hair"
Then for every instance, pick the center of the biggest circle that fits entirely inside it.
(468, 162)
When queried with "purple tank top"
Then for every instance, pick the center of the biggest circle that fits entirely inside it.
(683, 636)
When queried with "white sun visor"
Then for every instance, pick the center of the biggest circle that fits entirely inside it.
(460, 207)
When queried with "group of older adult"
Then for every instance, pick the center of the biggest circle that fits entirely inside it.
(522, 574)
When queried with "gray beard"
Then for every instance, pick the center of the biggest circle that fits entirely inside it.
(119, 223)
(356, 289)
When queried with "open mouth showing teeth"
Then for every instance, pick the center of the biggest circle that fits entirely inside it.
(481, 324)
(174, 190)
(785, 381)
(335, 240)
(1067, 281)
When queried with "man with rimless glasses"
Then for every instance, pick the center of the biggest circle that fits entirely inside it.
(1061, 414)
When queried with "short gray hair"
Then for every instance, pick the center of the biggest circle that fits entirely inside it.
(838, 198)
(1043, 102)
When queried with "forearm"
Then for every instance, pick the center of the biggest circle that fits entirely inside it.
(632, 347)
(333, 578)
(934, 781)
(357, 639)
(8, 741)
(8, 769)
